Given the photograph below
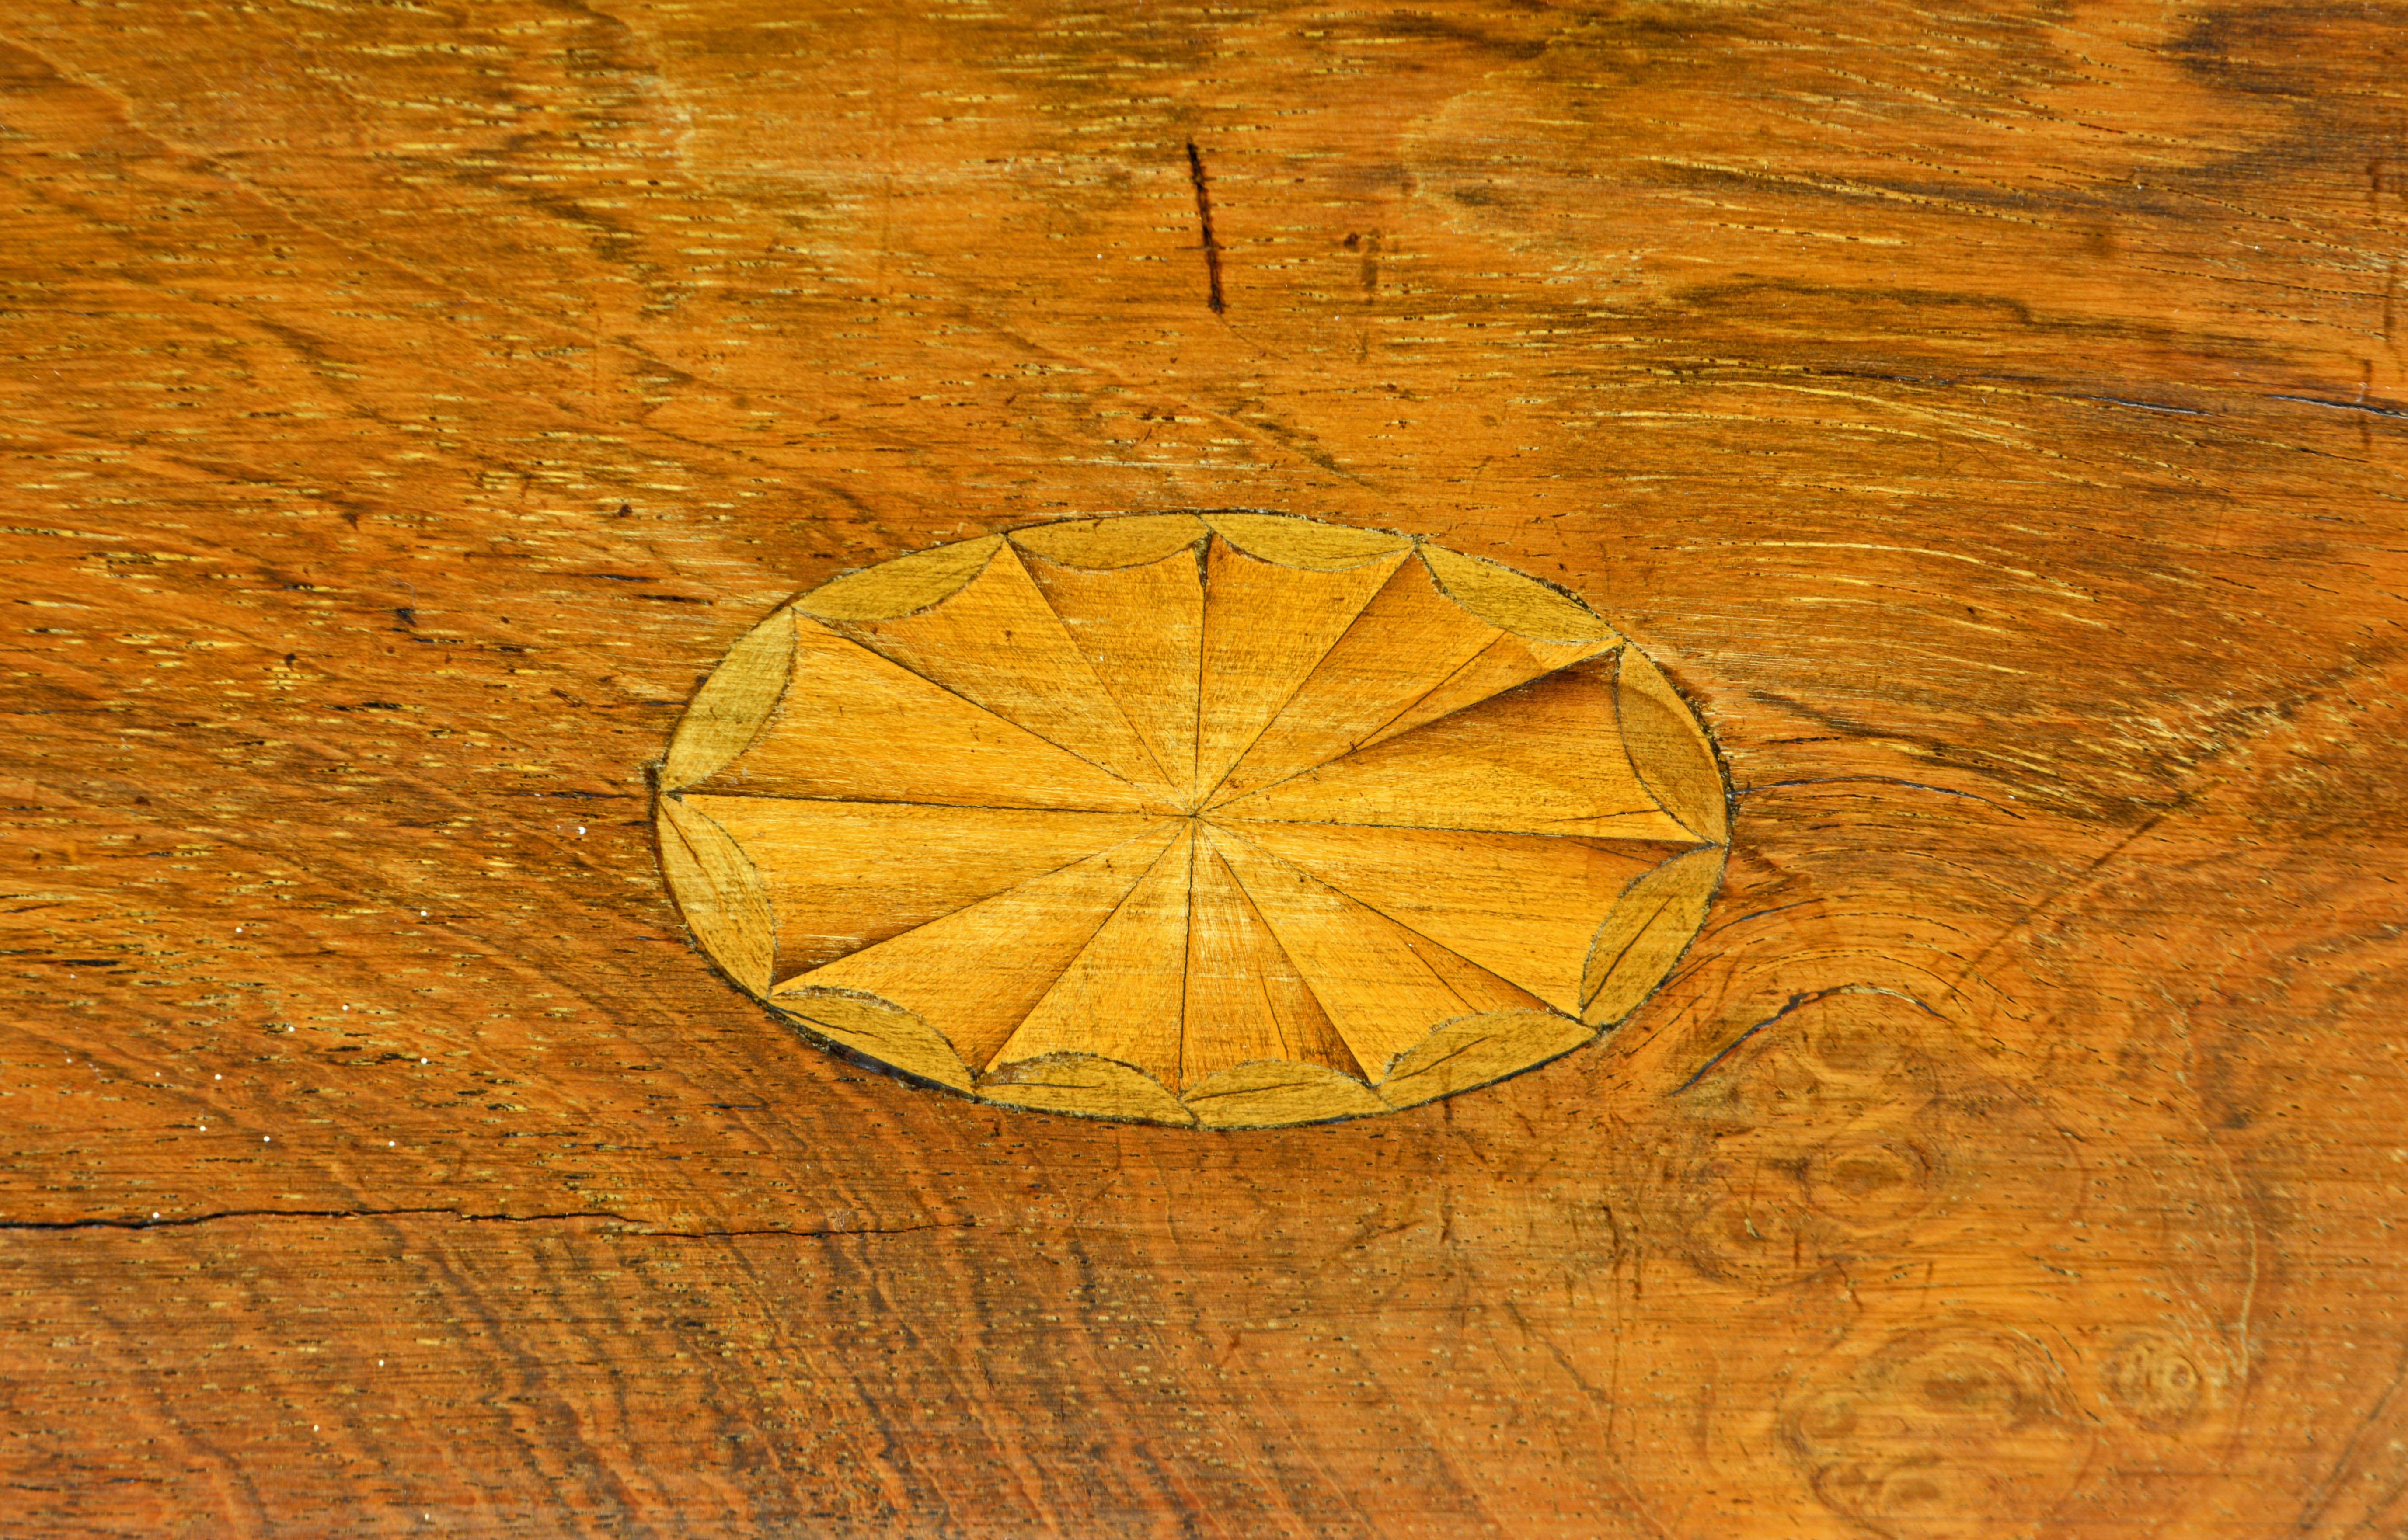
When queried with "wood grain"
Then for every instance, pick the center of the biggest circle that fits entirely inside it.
(1991, 418)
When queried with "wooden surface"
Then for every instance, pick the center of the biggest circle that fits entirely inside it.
(1240, 819)
(1991, 418)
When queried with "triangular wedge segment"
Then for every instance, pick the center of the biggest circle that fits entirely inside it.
(1505, 664)
(1523, 906)
(856, 726)
(1266, 626)
(997, 642)
(1141, 629)
(842, 875)
(1122, 996)
(1383, 988)
(1478, 987)
(1245, 1000)
(1408, 641)
(1544, 759)
(975, 973)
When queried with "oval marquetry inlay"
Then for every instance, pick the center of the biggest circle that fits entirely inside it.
(1236, 820)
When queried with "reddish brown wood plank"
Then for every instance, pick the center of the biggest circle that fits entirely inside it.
(1992, 420)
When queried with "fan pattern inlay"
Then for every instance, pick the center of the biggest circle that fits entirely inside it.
(1238, 819)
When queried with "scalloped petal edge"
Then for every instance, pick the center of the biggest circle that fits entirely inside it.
(1512, 601)
(1291, 540)
(1473, 1050)
(734, 705)
(1649, 927)
(1670, 750)
(1084, 1085)
(1278, 1094)
(1130, 540)
(883, 1030)
(903, 585)
(720, 892)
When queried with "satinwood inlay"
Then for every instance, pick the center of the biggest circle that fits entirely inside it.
(1230, 819)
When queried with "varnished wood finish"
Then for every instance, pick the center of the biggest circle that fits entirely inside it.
(1990, 418)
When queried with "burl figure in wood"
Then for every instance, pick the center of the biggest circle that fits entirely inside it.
(1234, 818)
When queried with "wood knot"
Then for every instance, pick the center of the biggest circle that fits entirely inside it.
(1957, 1429)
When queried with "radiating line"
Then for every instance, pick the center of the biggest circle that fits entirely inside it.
(1084, 948)
(1602, 915)
(1203, 657)
(1144, 744)
(1450, 716)
(1306, 678)
(999, 893)
(1694, 844)
(1451, 675)
(1271, 933)
(1406, 926)
(902, 667)
(682, 792)
(1187, 954)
